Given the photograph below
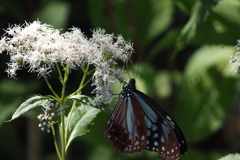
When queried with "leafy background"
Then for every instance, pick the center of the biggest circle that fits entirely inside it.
(181, 57)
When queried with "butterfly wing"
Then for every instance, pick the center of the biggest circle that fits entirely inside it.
(126, 128)
(163, 134)
(138, 122)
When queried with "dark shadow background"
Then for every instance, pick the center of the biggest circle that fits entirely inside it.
(181, 57)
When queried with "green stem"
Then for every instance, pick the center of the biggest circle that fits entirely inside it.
(63, 138)
(64, 127)
(69, 117)
(64, 82)
(82, 84)
(55, 141)
(50, 87)
(85, 73)
(79, 89)
(60, 73)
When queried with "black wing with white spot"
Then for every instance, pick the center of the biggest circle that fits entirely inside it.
(163, 134)
(126, 128)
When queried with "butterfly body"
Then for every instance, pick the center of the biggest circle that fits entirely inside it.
(138, 122)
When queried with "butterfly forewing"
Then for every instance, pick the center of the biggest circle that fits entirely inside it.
(168, 132)
(125, 130)
(138, 122)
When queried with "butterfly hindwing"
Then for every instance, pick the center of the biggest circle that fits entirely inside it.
(164, 135)
(125, 130)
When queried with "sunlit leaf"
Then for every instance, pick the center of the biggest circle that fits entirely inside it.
(29, 104)
(206, 57)
(89, 101)
(207, 93)
(77, 123)
(232, 14)
(84, 99)
(231, 157)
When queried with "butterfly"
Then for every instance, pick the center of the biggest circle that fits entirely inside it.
(138, 122)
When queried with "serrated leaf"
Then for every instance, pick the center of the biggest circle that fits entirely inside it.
(29, 104)
(81, 118)
(231, 157)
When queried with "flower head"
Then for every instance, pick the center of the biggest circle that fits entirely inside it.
(39, 47)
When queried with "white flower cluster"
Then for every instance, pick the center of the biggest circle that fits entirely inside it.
(39, 47)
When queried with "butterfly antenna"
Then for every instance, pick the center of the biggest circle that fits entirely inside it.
(121, 80)
(138, 67)
(128, 75)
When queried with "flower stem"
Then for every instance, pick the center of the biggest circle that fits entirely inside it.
(50, 87)
(64, 127)
(82, 84)
(55, 141)
(60, 73)
(63, 136)
(85, 73)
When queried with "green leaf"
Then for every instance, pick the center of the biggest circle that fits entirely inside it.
(208, 56)
(29, 104)
(89, 101)
(130, 20)
(79, 121)
(199, 12)
(161, 17)
(84, 99)
(231, 157)
(207, 92)
(231, 14)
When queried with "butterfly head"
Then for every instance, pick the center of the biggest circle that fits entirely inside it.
(128, 89)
